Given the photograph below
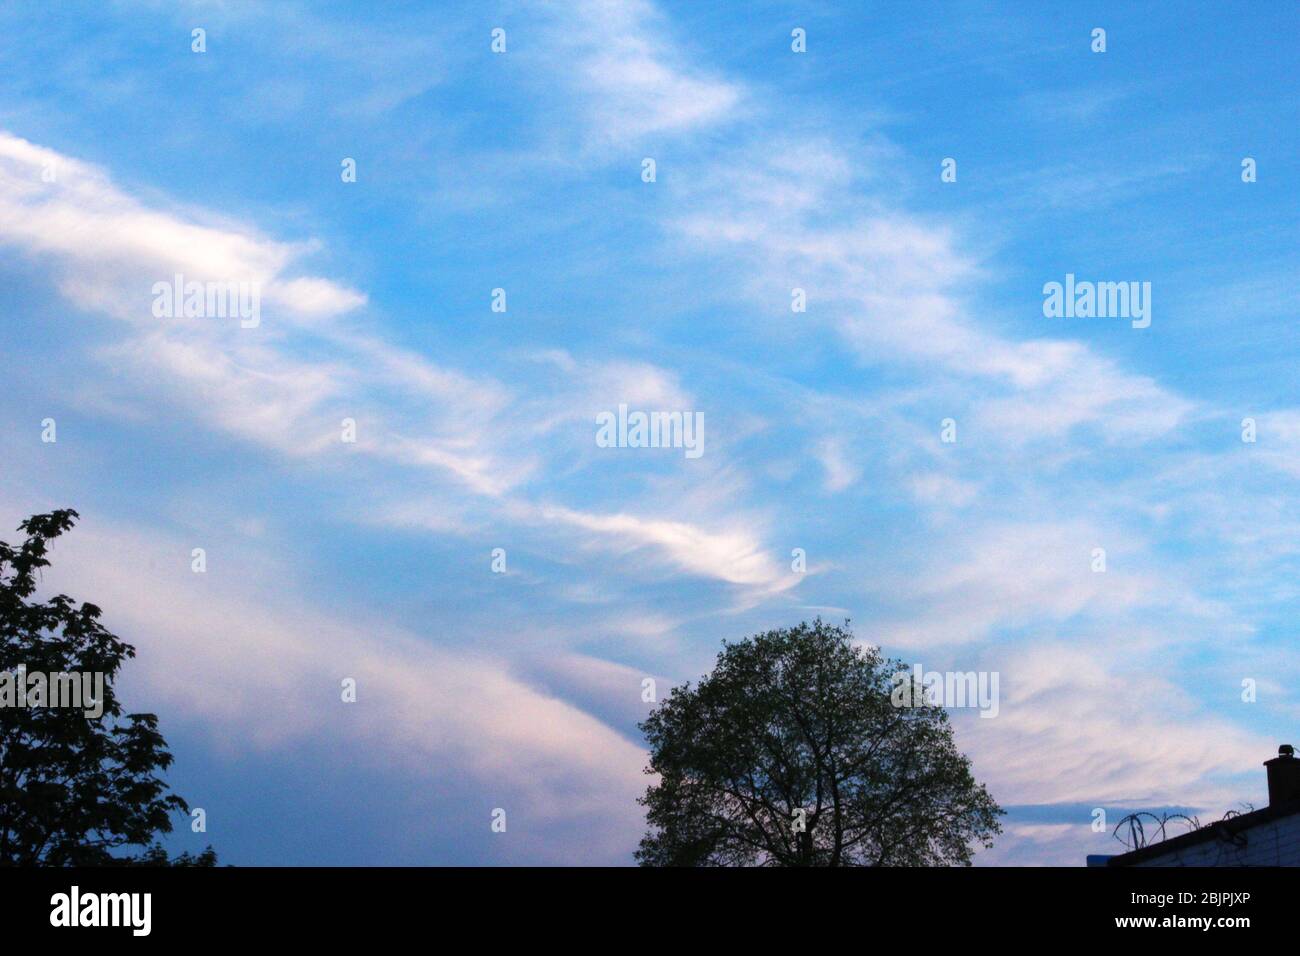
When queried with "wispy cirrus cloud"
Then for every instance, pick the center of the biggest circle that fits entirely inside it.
(823, 426)
(735, 555)
(258, 384)
(631, 81)
(111, 248)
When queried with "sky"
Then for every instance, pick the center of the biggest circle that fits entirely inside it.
(513, 680)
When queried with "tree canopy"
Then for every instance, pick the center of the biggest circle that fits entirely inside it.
(75, 790)
(791, 753)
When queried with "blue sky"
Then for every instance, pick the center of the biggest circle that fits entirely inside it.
(476, 429)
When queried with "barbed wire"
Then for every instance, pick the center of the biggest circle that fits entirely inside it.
(1135, 835)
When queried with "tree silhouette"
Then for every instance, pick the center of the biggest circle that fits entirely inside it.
(73, 788)
(791, 753)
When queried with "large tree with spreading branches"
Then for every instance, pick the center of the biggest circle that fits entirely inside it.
(792, 752)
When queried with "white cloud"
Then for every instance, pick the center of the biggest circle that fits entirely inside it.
(1005, 574)
(940, 491)
(108, 249)
(258, 384)
(254, 663)
(891, 285)
(1078, 724)
(113, 248)
(734, 555)
(840, 473)
(631, 81)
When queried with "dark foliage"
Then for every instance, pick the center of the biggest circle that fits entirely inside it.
(802, 719)
(74, 790)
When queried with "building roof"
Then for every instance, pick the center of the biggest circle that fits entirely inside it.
(1219, 830)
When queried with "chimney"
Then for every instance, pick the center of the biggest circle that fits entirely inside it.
(1283, 776)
